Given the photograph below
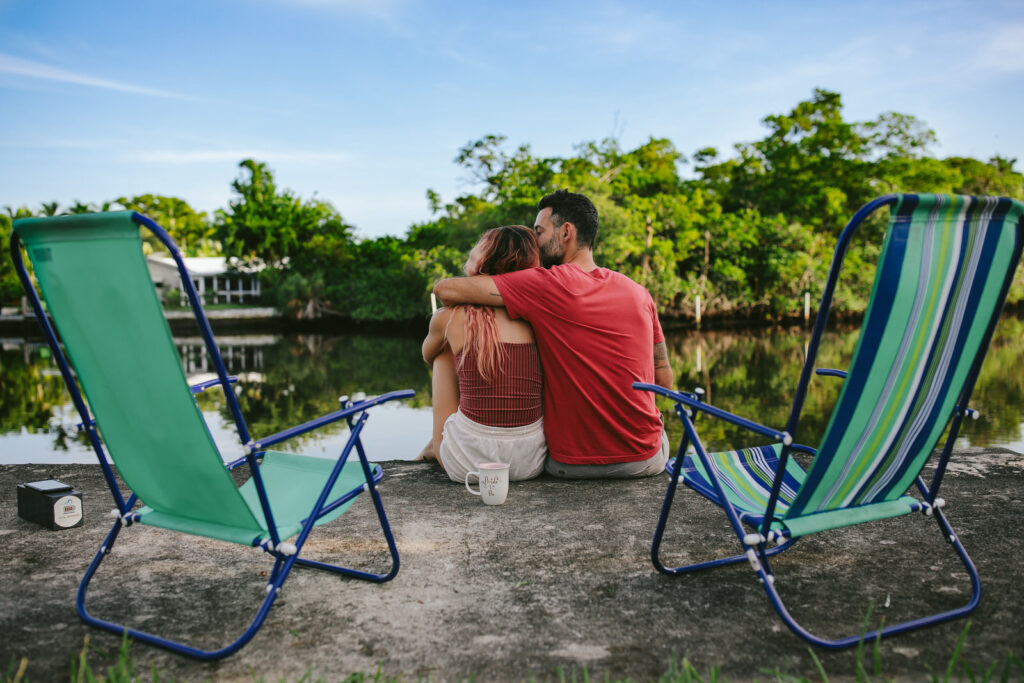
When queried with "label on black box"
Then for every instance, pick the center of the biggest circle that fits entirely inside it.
(67, 511)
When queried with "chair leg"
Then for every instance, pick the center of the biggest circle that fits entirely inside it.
(280, 571)
(655, 546)
(166, 643)
(764, 574)
(385, 527)
(666, 507)
(355, 573)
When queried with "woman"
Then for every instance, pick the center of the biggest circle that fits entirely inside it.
(488, 393)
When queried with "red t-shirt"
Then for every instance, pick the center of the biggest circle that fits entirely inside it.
(596, 333)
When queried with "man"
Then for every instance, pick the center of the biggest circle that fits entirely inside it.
(597, 332)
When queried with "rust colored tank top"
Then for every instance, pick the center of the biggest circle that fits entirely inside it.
(515, 395)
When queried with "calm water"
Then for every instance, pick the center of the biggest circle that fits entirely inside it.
(286, 380)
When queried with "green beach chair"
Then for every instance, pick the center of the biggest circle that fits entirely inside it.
(136, 406)
(946, 265)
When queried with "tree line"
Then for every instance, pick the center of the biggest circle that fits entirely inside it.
(749, 232)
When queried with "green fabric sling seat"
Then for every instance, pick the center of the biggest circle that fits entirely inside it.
(137, 406)
(945, 267)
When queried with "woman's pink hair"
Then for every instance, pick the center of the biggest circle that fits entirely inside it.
(500, 250)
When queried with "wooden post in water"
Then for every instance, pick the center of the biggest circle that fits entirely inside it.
(697, 310)
(807, 306)
(433, 303)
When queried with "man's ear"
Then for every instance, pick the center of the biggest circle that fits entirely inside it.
(568, 232)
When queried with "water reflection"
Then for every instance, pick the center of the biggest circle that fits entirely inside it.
(241, 354)
(286, 380)
(755, 373)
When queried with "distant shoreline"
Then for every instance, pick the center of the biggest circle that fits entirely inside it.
(269, 319)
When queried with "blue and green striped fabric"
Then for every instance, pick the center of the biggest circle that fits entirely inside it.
(746, 475)
(943, 271)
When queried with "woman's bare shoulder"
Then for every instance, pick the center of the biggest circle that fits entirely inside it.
(455, 326)
(514, 331)
(440, 319)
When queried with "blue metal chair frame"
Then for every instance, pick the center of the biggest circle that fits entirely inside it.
(757, 552)
(285, 555)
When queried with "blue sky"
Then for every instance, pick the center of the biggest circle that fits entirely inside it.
(366, 102)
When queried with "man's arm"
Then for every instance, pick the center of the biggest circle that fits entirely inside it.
(662, 369)
(478, 289)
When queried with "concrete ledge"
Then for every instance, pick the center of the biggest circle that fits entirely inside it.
(557, 577)
(181, 321)
(256, 313)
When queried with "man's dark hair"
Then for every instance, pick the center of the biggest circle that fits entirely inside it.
(570, 207)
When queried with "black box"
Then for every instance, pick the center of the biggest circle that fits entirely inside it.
(50, 503)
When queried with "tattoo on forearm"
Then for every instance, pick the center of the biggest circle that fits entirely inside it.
(661, 356)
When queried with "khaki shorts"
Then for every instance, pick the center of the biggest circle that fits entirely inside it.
(465, 444)
(620, 470)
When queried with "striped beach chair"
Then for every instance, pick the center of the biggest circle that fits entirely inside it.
(943, 274)
(141, 412)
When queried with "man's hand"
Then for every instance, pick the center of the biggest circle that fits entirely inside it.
(662, 369)
(479, 290)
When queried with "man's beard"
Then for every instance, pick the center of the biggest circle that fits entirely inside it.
(551, 254)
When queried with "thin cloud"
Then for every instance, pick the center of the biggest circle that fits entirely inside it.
(461, 57)
(1003, 50)
(620, 27)
(235, 155)
(368, 6)
(58, 144)
(177, 157)
(27, 68)
(385, 11)
(850, 60)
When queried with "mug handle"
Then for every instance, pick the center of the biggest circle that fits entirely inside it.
(477, 474)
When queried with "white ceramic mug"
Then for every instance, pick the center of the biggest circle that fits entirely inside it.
(493, 478)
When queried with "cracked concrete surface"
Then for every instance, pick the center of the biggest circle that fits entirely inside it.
(558, 577)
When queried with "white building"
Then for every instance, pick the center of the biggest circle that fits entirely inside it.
(213, 281)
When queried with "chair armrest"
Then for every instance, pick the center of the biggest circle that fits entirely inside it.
(828, 372)
(353, 409)
(203, 386)
(691, 402)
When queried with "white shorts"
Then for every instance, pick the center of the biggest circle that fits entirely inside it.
(465, 444)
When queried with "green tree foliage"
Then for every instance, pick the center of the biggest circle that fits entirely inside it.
(387, 282)
(811, 167)
(749, 234)
(305, 243)
(10, 286)
(275, 226)
(191, 230)
(817, 169)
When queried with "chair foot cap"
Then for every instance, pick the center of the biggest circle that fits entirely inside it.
(753, 539)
